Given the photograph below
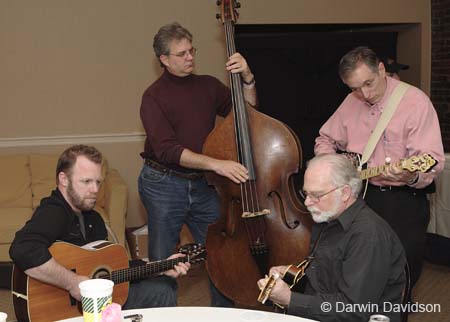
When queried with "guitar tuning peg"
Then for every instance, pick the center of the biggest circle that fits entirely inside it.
(219, 2)
(237, 5)
(218, 16)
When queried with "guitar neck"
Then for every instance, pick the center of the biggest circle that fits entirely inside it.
(372, 172)
(145, 271)
(422, 163)
(40, 302)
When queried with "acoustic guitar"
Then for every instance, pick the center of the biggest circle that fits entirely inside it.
(40, 302)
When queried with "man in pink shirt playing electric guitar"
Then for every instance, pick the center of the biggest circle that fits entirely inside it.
(397, 194)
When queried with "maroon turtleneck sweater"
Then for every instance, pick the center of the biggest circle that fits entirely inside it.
(178, 113)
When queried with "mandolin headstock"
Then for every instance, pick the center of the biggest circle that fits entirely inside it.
(422, 163)
(228, 12)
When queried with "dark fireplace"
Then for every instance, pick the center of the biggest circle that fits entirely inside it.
(296, 70)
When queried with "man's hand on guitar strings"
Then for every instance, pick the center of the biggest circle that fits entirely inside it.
(396, 174)
(280, 292)
(74, 289)
(180, 269)
(280, 270)
(262, 282)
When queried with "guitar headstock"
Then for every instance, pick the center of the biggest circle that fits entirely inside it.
(195, 252)
(228, 10)
(422, 163)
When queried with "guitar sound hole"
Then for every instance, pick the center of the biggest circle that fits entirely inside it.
(102, 273)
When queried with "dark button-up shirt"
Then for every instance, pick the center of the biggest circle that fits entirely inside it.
(358, 268)
(54, 220)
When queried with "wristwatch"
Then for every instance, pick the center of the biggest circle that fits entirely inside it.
(414, 180)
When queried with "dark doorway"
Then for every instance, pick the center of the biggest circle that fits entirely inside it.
(296, 69)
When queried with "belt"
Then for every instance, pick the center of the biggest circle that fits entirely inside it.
(394, 188)
(157, 166)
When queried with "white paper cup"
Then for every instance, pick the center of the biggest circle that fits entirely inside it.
(3, 316)
(96, 294)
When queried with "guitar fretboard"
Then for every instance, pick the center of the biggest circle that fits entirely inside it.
(422, 163)
(144, 271)
(372, 172)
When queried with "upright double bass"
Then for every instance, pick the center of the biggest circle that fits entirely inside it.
(262, 221)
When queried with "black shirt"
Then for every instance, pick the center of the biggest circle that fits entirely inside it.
(54, 220)
(358, 260)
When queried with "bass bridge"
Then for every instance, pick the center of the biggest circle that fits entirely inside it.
(248, 214)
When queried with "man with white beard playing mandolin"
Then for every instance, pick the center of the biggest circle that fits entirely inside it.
(355, 257)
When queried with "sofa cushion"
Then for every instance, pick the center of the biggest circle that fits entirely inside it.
(43, 176)
(12, 220)
(4, 253)
(15, 190)
(102, 213)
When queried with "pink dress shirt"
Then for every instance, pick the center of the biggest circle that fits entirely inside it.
(413, 130)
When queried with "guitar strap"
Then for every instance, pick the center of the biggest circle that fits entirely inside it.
(316, 243)
(305, 263)
(300, 273)
(385, 117)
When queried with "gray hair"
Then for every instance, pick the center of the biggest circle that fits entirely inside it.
(343, 172)
(165, 35)
(354, 58)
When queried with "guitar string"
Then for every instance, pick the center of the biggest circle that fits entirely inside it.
(248, 189)
(142, 271)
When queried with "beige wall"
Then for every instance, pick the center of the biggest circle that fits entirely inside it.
(74, 71)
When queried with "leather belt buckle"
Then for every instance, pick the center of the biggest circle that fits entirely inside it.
(385, 188)
(162, 168)
(193, 176)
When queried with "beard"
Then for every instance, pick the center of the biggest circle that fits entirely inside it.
(321, 216)
(325, 216)
(83, 204)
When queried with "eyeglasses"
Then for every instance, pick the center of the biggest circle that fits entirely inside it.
(316, 197)
(185, 53)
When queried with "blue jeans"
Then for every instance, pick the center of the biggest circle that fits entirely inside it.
(153, 292)
(172, 201)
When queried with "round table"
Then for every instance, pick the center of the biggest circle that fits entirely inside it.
(196, 314)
